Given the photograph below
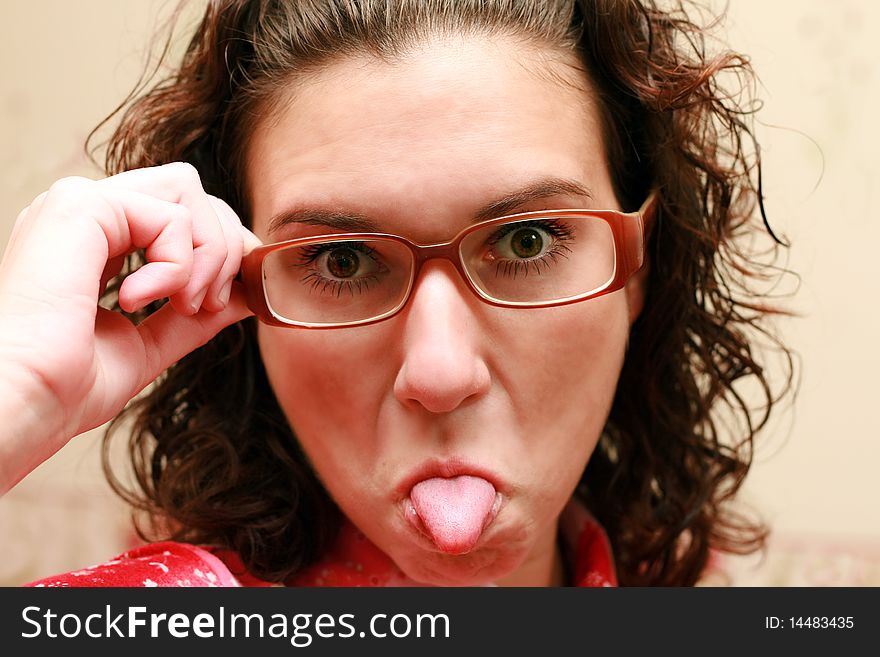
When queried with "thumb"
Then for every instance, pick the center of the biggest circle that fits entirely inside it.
(168, 336)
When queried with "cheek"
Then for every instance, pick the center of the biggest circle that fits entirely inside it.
(313, 386)
(327, 384)
(562, 403)
(567, 364)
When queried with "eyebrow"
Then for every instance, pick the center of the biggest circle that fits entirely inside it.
(359, 223)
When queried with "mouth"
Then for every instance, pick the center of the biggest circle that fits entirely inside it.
(451, 503)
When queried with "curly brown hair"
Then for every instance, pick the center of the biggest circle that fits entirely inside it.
(663, 476)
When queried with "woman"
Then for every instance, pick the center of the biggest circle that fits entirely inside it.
(486, 417)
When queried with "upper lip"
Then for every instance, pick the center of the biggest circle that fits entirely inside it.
(446, 468)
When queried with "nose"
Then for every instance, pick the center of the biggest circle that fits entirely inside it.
(442, 366)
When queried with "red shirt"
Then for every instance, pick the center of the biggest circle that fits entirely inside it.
(353, 561)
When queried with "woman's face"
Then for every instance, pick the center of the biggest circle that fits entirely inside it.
(497, 410)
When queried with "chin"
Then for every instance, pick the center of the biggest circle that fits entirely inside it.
(479, 568)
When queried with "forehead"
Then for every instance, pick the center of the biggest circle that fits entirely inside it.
(431, 137)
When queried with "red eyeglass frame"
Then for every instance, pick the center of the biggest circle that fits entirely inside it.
(630, 231)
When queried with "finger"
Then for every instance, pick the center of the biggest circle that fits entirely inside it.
(164, 231)
(218, 293)
(62, 246)
(209, 253)
(250, 240)
(180, 183)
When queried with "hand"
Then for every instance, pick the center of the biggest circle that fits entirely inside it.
(67, 365)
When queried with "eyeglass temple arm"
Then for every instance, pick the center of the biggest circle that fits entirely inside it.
(638, 242)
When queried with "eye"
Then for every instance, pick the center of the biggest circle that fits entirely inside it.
(344, 261)
(526, 242)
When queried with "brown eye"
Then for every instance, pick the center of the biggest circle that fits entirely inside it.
(526, 243)
(343, 262)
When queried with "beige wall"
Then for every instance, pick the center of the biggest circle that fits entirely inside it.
(821, 83)
(66, 64)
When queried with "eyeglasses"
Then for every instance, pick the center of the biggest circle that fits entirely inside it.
(527, 260)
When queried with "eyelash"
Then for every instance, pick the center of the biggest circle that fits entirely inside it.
(561, 234)
(316, 279)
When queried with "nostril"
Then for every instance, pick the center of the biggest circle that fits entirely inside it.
(443, 386)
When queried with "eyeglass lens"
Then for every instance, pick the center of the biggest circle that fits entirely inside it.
(521, 262)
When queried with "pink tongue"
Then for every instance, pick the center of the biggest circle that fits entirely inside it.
(454, 511)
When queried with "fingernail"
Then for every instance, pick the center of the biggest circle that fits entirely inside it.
(225, 292)
(197, 300)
